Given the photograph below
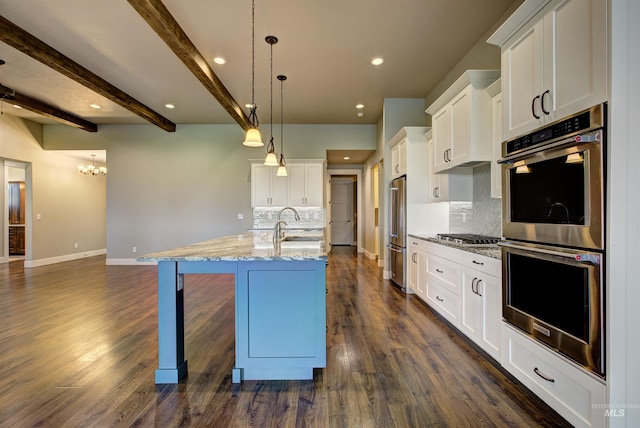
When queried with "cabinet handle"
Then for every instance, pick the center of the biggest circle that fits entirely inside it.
(533, 107)
(473, 285)
(439, 271)
(542, 102)
(438, 192)
(539, 373)
(478, 263)
(478, 287)
(438, 298)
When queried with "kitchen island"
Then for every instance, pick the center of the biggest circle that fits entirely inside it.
(280, 304)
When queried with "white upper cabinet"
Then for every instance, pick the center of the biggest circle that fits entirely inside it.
(267, 189)
(303, 187)
(495, 92)
(461, 119)
(306, 187)
(554, 64)
(398, 158)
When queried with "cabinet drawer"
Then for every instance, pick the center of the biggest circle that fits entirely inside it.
(482, 263)
(443, 251)
(418, 244)
(573, 393)
(445, 271)
(443, 300)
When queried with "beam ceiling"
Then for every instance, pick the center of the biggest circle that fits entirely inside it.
(30, 45)
(164, 24)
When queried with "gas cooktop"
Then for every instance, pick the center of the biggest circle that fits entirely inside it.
(467, 239)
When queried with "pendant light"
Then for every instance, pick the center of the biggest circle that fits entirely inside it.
(282, 168)
(271, 159)
(253, 138)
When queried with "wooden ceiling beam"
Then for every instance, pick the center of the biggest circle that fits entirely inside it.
(30, 45)
(46, 110)
(164, 24)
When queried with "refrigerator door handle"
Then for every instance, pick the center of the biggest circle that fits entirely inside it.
(393, 196)
(392, 248)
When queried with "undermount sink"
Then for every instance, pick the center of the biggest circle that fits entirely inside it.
(302, 238)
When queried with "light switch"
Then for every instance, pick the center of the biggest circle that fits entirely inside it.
(240, 216)
(38, 216)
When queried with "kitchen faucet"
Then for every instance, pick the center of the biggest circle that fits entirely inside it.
(277, 231)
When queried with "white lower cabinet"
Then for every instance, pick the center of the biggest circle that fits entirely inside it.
(481, 316)
(417, 268)
(578, 396)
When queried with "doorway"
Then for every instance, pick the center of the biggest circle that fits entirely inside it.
(343, 221)
(15, 197)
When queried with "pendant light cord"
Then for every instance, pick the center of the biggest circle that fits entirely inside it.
(253, 117)
(271, 94)
(281, 117)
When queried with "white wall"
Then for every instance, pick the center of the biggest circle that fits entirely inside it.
(71, 206)
(170, 189)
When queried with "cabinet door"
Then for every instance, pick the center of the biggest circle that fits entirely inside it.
(314, 185)
(496, 137)
(267, 189)
(438, 183)
(395, 162)
(296, 184)
(575, 50)
(461, 127)
(441, 122)
(490, 332)
(522, 71)
(413, 270)
(260, 186)
(470, 316)
(402, 157)
(421, 284)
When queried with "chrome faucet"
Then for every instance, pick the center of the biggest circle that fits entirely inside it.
(277, 231)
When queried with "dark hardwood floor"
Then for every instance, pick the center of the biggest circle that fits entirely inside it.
(78, 345)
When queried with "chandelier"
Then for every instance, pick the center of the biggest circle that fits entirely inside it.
(92, 169)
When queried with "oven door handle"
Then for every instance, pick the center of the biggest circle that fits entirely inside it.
(593, 259)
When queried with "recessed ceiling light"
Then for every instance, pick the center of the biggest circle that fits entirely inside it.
(169, 106)
(17, 106)
(96, 106)
(346, 158)
(360, 114)
(359, 105)
(377, 61)
(219, 60)
(248, 105)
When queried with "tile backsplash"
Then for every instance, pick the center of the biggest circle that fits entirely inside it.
(482, 216)
(310, 218)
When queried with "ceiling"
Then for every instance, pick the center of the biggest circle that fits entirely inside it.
(325, 49)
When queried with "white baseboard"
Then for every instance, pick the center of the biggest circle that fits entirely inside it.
(4, 259)
(386, 274)
(369, 254)
(65, 258)
(129, 262)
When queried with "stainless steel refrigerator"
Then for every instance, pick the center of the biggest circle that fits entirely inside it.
(397, 231)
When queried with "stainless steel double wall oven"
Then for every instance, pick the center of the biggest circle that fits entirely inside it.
(553, 222)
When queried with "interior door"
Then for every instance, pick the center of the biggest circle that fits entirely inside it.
(341, 211)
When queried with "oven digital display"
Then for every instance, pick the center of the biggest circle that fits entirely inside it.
(552, 132)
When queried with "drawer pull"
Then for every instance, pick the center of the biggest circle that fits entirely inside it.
(440, 299)
(539, 373)
(439, 271)
(477, 263)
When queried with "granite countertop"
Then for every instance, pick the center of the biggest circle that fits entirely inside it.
(248, 246)
(492, 251)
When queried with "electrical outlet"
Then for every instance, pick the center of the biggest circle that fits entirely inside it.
(134, 250)
(464, 217)
(75, 245)
(240, 216)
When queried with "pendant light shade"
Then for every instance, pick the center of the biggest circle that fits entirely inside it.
(253, 137)
(271, 159)
(282, 168)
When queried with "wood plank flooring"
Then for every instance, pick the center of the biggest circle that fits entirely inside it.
(78, 348)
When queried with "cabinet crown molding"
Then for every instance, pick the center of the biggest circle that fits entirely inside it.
(410, 132)
(478, 78)
(520, 17)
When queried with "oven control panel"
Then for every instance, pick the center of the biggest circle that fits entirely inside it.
(585, 120)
